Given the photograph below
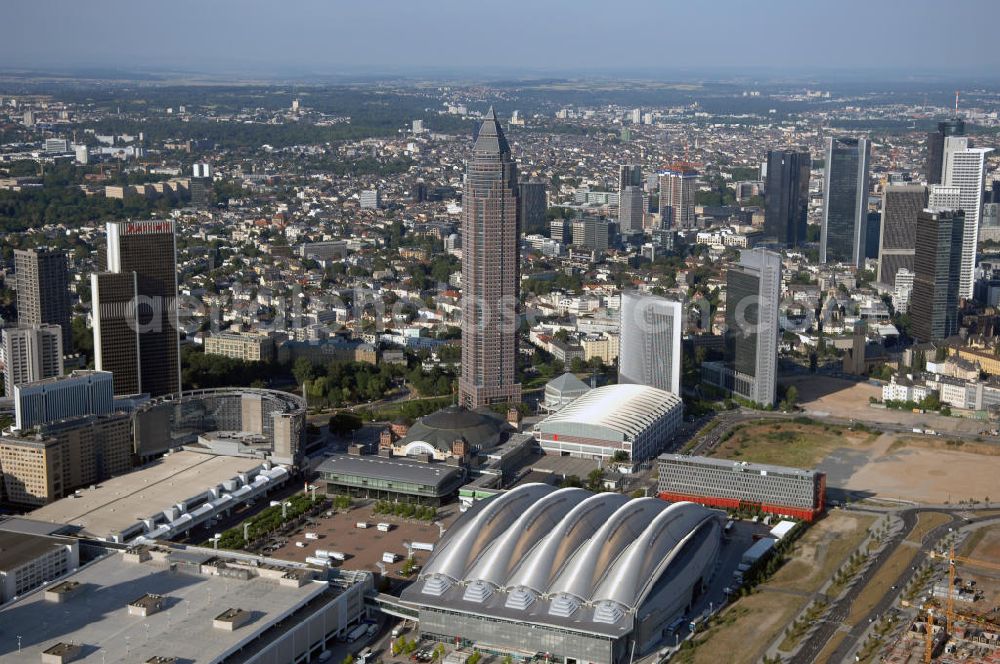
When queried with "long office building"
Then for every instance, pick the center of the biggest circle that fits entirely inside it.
(490, 271)
(934, 300)
(649, 350)
(786, 199)
(30, 353)
(750, 366)
(965, 168)
(76, 395)
(935, 147)
(845, 201)
(740, 485)
(43, 290)
(566, 574)
(901, 205)
(677, 189)
(136, 336)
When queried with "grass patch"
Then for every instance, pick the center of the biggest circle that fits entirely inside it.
(879, 584)
(926, 522)
(741, 633)
(797, 443)
(821, 551)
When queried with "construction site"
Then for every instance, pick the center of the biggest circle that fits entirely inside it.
(953, 605)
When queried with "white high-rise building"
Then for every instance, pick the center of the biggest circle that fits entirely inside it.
(649, 350)
(941, 197)
(31, 353)
(76, 395)
(965, 168)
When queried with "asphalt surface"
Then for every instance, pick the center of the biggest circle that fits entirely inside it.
(833, 621)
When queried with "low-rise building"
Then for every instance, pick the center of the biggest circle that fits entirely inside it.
(28, 561)
(249, 347)
(50, 461)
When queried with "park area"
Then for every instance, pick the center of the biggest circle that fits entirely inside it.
(800, 443)
(742, 632)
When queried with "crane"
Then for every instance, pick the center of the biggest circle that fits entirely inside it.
(952, 563)
(929, 651)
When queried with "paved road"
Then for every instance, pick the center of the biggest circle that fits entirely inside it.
(842, 607)
(834, 620)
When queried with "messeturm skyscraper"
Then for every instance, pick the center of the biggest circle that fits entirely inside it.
(490, 271)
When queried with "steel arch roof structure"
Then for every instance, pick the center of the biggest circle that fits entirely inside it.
(568, 545)
(626, 410)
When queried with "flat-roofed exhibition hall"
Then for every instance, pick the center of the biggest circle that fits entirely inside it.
(566, 573)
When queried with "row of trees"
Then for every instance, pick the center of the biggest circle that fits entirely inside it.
(405, 510)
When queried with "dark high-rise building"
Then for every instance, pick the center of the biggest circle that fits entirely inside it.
(116, 336)
(135, 302)
(630, 210)
(490, 271)
(873, 231)
(533, 205)
(43, 291)
(753, 291)
(937, 263)
(845, 201)
(629, 175)
(786, 199)
(419, 191)
(677, 191)
(935, 147)
(901, 205)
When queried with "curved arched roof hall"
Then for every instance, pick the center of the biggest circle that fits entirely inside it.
(569, 547)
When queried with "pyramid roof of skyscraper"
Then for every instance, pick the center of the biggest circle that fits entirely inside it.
(491, 139)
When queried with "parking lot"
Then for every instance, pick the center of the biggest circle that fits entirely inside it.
(363, 548)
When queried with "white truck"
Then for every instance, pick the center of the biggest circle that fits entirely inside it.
(384, 527)
(312, 536)
(389, 557)
(356, 633)
(361, 524)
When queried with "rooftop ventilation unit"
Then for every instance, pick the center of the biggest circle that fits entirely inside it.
(520, 599)
(436, 585)
(478, 592)
(563, 606)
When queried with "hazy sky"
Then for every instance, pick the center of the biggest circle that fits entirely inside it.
(329, 37)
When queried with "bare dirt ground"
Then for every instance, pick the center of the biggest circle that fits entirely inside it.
(924, 475)
(823, 396)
